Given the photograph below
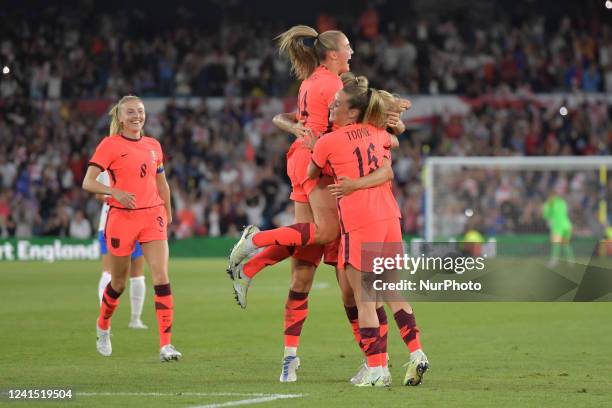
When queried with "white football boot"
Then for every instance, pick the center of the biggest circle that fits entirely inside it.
(244, 247)
(289, 370)
(169, 353)
(137, 324)
(241, 284)
(374, 377)
(417, 366)
(103, 343)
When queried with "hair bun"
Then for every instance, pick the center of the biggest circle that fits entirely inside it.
(362, 82)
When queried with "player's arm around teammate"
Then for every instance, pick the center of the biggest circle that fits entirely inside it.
(370, 217)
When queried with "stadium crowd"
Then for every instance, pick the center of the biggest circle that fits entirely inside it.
(69, 52)
(226, 167)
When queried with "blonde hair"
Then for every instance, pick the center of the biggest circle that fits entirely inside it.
(372, 104)
(116, 126)
(305, 58)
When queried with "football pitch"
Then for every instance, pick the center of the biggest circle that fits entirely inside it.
(482, 354)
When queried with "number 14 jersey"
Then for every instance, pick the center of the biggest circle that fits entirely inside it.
(133, 166)
(355, 151)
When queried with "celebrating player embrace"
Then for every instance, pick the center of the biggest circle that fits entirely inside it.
(367, 216)
(140, 210)
(322, 62)
(359, 147)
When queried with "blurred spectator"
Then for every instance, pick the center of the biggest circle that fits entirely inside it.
(79, 226)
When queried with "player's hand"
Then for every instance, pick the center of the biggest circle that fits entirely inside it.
(393, 119)
(299, 130)
(310, 139)
(404, 104)
(128, 200)
(169, 217)
(343, 188)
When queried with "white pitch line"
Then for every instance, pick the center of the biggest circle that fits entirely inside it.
(272, 397)
(260, 397)
(178, 394)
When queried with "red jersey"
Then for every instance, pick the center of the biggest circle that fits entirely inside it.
(355, 151)
(133, 166)
(317, 92)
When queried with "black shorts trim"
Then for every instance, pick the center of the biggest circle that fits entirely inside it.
(346, 248)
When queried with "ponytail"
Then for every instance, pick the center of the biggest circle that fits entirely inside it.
(371, 103)
(376, 112)
(306, 48)
(116, 126)
(356, 88)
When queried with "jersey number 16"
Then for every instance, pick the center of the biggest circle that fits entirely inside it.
(372, 159)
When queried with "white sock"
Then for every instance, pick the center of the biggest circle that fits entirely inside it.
(290, 351)
(104, 280)
(137, 295)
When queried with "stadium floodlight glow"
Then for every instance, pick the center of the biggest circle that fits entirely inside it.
(6, 70)
(609, 4)
(563, 111)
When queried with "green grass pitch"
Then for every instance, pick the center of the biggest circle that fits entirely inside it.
(481, 354)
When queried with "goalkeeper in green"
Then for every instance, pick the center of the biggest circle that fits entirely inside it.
(556, 214)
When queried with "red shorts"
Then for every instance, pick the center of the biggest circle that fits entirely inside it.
(125, 227)
(373, 236)
(298, 160)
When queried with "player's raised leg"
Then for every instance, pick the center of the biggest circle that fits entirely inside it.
(303, 266)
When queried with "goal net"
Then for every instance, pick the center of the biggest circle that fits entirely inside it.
(504, 196)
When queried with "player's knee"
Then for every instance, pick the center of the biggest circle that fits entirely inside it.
(327, 234)
(118, 285)
(348, 298)
(397, 306)
(301, 283)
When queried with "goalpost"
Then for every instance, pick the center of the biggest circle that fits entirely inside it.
(504, 195)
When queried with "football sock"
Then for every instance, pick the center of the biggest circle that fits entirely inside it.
(301, 234)
(137, 296)
(271, 255)
(555, 250)
(384, 329)
(408, 329)
(296, 311)
(104, 280)
(370, 339)
(353, 317)
(568, 252)
(164, 312)
(110, 300)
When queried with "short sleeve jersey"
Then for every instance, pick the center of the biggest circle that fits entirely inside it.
(315, 96)
(133, 166)
(355, 151)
